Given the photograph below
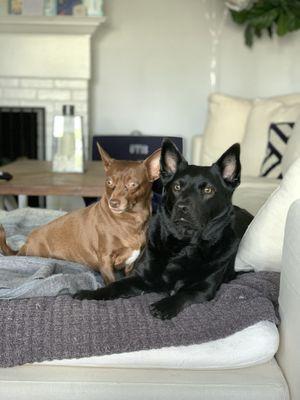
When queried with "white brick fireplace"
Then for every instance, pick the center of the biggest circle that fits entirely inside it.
(46, 62)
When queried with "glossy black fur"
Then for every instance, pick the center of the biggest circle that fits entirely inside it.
(193, 238)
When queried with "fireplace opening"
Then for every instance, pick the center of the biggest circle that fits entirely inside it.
(22, 134)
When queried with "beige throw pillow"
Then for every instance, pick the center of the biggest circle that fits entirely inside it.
(254, 144)
(288, 99)
(292, 151)
(226, 122)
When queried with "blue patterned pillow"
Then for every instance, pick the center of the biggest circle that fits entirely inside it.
(279, 134)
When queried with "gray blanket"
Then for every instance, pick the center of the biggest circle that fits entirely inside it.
(46, 328)
(24, 277)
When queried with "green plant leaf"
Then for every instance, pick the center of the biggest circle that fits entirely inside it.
(283, 24)
(270, 31)
(297, 24)
(294, 7)
(239, 17)
(257, 32)
(275, 3)
(249, 33)
(280, 16)
(265, 20)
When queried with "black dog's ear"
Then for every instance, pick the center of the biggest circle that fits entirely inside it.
(230, 166)
(171, 160)
(152, 163)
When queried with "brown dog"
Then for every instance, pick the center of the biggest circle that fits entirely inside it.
(108, 234)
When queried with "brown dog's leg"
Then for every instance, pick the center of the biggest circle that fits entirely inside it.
(121, 261)
(4, 248)
(128, 269)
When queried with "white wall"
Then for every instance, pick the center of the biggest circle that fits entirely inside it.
(152, 61)
(270, 68)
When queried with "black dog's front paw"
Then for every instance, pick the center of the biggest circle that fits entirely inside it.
(99, 294)
(84, 295)
(164, 309)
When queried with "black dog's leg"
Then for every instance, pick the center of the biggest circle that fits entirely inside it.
(169, 307)
(126, 287)
(200, 292)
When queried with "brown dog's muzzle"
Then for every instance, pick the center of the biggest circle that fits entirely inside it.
(114, 203)
(118, 202)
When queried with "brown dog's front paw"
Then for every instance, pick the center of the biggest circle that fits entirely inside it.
(164, 309)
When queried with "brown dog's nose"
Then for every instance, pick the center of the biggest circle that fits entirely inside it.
(114, 203)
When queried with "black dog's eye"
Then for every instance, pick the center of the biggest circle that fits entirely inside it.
(208, 190)
(177, 187)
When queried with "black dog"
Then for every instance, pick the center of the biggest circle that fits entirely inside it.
(193, 238)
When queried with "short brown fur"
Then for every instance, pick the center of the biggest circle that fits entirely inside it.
(104, 235)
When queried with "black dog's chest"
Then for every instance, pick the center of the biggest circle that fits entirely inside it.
(171, 273)
(176, 272)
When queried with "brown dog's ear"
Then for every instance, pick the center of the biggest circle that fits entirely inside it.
(152, 163)
(105, 157)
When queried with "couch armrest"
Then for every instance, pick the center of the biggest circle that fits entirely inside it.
(197, 143)
(288, 355)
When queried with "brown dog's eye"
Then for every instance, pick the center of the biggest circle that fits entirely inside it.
(208, 190)
(109, 182)
(177, 187)
(132, 185)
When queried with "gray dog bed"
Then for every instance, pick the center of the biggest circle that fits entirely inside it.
(36, 329)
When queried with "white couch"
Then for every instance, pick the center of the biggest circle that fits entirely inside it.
(270, 381)
(278, 379)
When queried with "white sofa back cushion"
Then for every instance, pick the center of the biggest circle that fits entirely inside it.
(288, 99)
(292, 151)
(225, 125)
(261, 246)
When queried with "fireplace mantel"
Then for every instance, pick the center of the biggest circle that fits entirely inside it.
(46, 63)
(47, 25)
(47, 47)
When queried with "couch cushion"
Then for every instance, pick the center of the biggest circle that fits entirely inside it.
(263, 382)
(261, 246)
(226, 122)
(292, 151)
(254, 143)
(279, 135)
(253, 192)
(288, 99)
(225, 125)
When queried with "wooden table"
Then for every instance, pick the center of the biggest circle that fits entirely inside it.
(35, 178)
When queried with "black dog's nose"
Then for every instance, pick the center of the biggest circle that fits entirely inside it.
(182, 207)
(114, 203)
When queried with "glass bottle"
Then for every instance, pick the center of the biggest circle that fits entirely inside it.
(67, 155)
